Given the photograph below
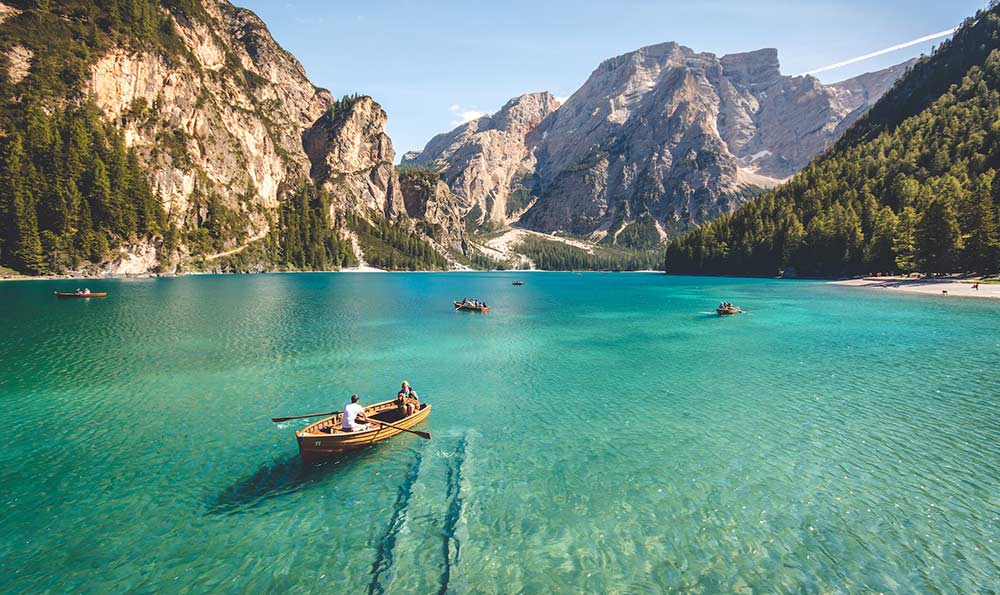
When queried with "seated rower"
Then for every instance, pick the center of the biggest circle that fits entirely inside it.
(354, 417)
(407, 400)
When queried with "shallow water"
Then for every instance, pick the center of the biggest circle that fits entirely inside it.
(594, 432)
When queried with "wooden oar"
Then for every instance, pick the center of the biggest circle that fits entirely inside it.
(426, 435)
(278, 420)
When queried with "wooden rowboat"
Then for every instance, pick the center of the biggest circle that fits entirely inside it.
(73, 294)
(471, 308)
(728, 311)
(325, 438)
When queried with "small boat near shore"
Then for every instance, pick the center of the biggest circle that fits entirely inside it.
(325, 438)
(728, 310)
(472, 306)
(517, 282)
(73, 294)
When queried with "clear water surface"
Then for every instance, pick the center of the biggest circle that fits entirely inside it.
(593, 433)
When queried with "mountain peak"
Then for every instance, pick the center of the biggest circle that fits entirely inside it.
(524, 112)
(754, 70)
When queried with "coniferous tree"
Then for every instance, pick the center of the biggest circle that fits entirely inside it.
(982, 246)
(879, 255)
(21, 245)
(938, 237)
(23, 241)
(904, 245)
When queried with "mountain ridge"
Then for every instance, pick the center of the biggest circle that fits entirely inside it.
(662, 136)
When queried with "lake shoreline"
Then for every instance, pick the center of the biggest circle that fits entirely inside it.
(943, 287)
(347, 270)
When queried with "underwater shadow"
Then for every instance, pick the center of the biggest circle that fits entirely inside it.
(277, 478)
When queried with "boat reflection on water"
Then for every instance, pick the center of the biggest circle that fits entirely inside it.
(280, 477)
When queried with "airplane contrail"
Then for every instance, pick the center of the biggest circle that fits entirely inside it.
(881, 52)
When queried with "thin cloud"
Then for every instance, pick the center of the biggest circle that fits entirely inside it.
(464, 115)
(900, 46)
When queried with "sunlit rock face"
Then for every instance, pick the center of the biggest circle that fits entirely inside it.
(661, 134)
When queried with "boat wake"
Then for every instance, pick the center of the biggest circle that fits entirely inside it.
(425, 524)
(384, 555)
(450, 547)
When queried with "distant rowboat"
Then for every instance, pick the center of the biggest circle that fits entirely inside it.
(326, 438)
(73, 294)
(468, 306)
(517, 282)
(728, 311)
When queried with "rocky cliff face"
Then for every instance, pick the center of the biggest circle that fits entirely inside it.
(429, 201)
(352, 156)
(488, 163)
(235, 118)
(661, 134)
(225, 118)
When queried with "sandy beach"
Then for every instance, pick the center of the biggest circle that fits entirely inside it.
(944, 288)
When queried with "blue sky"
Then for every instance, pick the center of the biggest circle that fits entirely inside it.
(427, 63)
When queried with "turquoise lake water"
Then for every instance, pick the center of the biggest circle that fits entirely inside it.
(600, 433)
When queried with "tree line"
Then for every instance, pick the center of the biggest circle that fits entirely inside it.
(306, 236)
(69, 191)
(552, 255)
(388, 245)
(919, 195)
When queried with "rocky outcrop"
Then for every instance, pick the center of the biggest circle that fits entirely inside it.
(134, 259)
(663, 133)
(488, 163)
(860, 93)
(18, 63)
(352, 156)
(429, 201)
(7, 12)
(797, 118)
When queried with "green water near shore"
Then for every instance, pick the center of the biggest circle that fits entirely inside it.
(593, 433)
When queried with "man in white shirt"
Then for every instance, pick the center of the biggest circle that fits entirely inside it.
(354, 416)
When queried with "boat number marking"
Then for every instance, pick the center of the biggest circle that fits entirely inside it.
(318, 443)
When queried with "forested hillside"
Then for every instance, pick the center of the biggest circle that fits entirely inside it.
(911, 187)
(69, 189)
